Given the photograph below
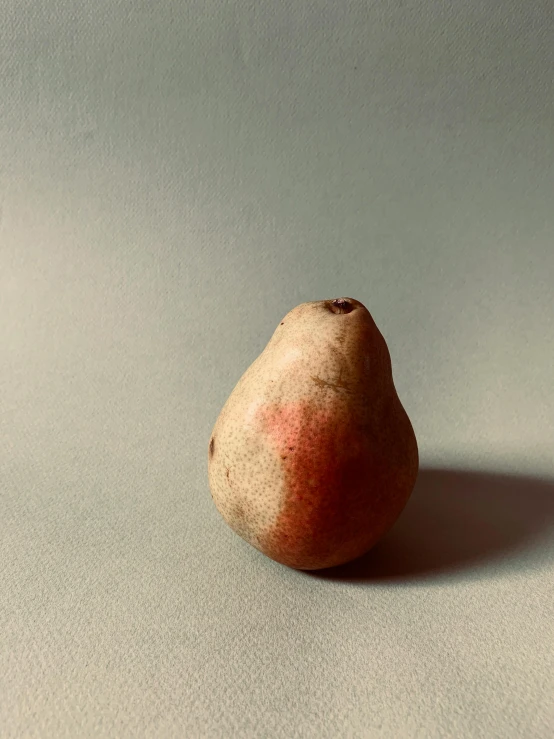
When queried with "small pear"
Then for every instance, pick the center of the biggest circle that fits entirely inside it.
(313, 457)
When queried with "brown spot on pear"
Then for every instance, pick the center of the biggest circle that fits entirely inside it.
(323, 466)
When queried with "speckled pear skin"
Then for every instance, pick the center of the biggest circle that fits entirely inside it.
(313, 457)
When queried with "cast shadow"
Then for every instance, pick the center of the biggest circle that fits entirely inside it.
(458, 521)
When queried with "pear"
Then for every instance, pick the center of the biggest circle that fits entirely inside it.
(313, 457)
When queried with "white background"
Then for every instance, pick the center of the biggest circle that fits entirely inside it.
(174, 178)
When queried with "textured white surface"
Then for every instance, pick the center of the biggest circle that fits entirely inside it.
(175, 177)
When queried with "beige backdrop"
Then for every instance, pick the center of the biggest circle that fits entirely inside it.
(176, 176)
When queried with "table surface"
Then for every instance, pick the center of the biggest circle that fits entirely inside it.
(174, 178)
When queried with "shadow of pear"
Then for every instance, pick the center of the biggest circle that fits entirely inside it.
(460, 522)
